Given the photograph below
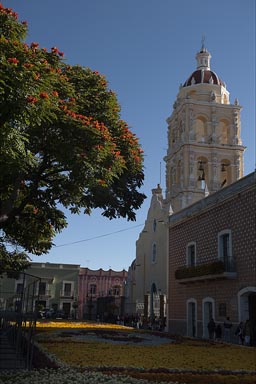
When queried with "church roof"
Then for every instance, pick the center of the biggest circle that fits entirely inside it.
(203, 76)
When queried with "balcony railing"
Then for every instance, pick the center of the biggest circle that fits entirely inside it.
(215, 270)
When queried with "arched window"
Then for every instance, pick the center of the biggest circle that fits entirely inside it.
(223, 132)
(202, 172)
(225, 173)
(246, 303)
(200, 129)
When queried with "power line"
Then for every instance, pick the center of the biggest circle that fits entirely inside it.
(97, 237)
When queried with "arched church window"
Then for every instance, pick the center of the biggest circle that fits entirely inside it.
(202, 171)
(223, 132)
(200, 129)
(225, 173)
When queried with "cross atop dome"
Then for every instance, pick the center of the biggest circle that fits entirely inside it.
(203, 57)
(203, 49)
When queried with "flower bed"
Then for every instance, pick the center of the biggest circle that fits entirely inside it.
(203, 356)
(51, 376)
(104, 353)
(45, 324)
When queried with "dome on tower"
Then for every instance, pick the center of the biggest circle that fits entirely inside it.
(203, 73)
(203, 76)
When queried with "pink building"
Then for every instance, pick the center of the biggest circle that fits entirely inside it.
(101, 294)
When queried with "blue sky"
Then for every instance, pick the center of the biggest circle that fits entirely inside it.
(146, 48)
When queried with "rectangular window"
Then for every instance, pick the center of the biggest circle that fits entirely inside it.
(191, 255)
(225, 245)
(116, 291)
(93, 289)
(225, 251)
(67, 289)
(42, 288)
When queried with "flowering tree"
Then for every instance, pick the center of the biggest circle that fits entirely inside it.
(63, 144)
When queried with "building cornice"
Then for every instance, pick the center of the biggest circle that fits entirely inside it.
(242, 185)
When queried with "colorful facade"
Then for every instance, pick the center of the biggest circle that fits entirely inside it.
(101, 294)
(68, 291)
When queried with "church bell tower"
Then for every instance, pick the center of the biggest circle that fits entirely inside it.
(205, 152)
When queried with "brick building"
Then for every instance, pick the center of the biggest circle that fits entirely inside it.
(212, 261)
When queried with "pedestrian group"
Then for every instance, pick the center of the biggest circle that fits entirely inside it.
(243, 331)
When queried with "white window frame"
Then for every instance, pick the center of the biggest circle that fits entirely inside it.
(188, 260)
(228, 259)
(242, 300)
(190, 301)
(72, 287)
(220, 243)
(46, 287)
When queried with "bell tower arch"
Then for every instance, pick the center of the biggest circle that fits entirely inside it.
(205, 151)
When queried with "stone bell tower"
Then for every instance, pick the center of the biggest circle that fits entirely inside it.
(205, 152)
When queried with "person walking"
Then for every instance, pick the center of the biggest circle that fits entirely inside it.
(240, 333)
(247, 332)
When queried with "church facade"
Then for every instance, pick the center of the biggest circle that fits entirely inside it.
(204, 160)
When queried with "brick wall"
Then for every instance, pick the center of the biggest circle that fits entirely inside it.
(237, 213)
